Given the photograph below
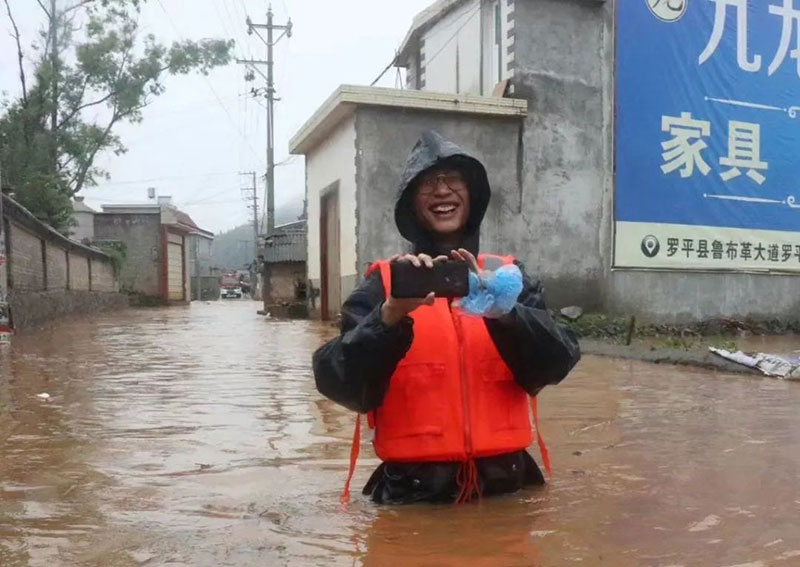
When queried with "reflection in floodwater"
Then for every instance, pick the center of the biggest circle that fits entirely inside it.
(194, 436)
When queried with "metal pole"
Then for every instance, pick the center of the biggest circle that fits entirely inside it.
(255, 217)
(253, 276)
(270, 129)
(54, 83)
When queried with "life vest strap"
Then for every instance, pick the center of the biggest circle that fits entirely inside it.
(344, 498)
(540, 439)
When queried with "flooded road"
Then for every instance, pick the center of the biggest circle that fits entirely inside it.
(194, 436)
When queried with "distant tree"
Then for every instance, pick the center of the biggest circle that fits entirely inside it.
(92, 70)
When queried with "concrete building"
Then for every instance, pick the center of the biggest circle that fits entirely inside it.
(83, 215)
(460, 46)
(284, 255)
(200, 245)
(550, 160)
(158, 255)
(353, 167)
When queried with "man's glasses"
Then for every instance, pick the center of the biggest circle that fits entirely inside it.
(453, 181)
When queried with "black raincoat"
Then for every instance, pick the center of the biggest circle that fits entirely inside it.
(354, 369)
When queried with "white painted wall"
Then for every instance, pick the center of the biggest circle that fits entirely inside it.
(452, 61)
(333, 160)
(457, 33)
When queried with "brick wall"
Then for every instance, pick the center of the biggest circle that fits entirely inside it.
(78, 271)
(26, 265)
(103, 278)
(40, 285)
(56, 267)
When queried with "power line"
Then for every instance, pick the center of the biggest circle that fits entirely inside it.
(169, 177)
(452, 37)
(431, 58)
(210, 86)
(389, 66)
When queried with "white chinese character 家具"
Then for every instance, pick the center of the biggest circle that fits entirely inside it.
(744, 151)
(683, 151)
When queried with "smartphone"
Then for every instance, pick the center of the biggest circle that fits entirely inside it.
(446, 279)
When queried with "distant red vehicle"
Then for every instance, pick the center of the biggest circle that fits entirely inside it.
(231, 286)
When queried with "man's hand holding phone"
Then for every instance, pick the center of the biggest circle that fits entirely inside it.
(394, 309)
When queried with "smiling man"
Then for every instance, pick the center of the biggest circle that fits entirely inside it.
(446, 392)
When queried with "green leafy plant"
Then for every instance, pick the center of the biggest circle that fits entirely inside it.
(92, 70)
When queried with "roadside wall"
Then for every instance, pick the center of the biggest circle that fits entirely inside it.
(50, 275)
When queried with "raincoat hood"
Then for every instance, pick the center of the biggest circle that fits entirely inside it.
(433, 151)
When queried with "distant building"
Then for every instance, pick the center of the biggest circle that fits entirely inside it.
(83, 215)
(284, 256)
(204, 279)
(157, 239)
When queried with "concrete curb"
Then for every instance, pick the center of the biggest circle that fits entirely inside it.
(676, 357)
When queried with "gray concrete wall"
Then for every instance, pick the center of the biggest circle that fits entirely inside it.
(675, 297)
(141, 234)
(283, 276)
(562, 67)
(381, 158)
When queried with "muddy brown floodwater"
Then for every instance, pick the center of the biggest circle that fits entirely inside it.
(194, 436)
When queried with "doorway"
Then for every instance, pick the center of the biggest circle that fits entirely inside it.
(330, 257)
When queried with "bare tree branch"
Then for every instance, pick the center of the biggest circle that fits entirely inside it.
(77, 109)
(78, 6)
(19, 54)
(46, 11)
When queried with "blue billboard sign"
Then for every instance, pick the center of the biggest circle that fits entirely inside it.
(708, 134)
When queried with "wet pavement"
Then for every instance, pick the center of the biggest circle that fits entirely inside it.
(194, 436)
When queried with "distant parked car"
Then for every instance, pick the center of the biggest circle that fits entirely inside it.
(227, 292)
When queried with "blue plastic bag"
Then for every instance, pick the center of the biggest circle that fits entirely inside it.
(492, 294)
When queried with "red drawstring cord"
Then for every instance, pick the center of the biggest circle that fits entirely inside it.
(468, 482)
(344, 498)
(540, 439)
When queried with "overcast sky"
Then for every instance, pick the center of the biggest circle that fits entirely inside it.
(198, 135)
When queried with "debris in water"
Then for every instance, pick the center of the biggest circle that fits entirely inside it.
(43, 396)
(573, 313)
(705, 524)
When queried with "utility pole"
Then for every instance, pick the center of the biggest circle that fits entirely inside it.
(252, 198)
(254, 64)
(54, 83)
(270, 42)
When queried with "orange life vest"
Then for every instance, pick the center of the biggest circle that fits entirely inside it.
(452, 397)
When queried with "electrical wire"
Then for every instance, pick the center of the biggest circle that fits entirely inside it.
(428, 60)
(208, 82)
(171, 177)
